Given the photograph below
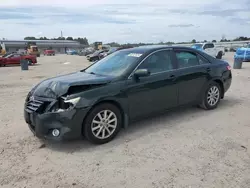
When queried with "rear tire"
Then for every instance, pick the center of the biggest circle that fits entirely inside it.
(100, 130)
(211, 97)
(219, 56)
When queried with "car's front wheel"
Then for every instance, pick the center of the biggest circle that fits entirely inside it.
(102, 124)
(212, 96)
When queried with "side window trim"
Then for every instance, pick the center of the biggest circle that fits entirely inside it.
(167, 49)
(202, 57)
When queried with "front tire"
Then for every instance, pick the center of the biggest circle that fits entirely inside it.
(212, 96)
(102, 124)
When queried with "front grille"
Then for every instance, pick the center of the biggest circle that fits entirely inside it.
(36, 105)
(33, 105)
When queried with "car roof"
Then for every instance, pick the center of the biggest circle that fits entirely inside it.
(150, 48)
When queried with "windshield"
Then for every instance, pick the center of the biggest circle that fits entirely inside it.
(115, 64)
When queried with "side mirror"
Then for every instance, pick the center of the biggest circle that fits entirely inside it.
(141, 73)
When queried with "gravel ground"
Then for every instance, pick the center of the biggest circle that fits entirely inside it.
(188, 147)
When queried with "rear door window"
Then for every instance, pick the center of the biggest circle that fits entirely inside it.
(186, 59)
(208, 46)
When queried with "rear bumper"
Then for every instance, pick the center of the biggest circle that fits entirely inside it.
(227, 80)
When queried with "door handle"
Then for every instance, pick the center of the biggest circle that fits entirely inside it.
(172, 76)
(208, 69)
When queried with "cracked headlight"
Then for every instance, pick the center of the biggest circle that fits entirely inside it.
(62, 104)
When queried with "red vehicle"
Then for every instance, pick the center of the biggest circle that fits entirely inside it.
(14, 59)
(49, 52)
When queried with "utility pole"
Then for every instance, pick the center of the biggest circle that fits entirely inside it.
(61, 34)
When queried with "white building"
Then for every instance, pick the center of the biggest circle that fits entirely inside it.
(60, 46)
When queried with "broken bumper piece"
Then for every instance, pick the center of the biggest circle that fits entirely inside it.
(67, 123)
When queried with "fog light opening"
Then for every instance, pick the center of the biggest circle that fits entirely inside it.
(55, 132)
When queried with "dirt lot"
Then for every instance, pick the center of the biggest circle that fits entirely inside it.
(185, 148)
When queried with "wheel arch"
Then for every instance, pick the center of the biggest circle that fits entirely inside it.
(217, 80)
(115, 103)
(220, 51)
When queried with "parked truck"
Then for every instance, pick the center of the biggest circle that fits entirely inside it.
(98, 45)
(210, 49)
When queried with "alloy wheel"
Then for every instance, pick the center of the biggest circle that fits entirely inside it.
(213, 95)
(104, 124)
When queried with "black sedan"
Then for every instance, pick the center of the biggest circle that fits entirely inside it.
(98, 101)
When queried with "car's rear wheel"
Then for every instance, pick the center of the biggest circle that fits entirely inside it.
(212, 96)
(219, 55)
(102, 124)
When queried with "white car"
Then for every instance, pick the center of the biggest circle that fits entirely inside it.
(210, 49)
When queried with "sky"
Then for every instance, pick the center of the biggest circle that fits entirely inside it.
(126, 21)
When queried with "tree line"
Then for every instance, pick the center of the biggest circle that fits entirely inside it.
(84, 41)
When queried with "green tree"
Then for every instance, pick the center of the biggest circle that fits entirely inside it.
(43, 38)
(83, 41)
(193, 41)
(30, 38)
(69, 38)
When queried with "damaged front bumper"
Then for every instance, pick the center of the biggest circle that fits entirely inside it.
(42, 123)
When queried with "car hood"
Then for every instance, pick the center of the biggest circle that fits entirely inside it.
(59, 86)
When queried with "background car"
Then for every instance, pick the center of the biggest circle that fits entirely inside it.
(98, 101)
(49, 52)
(112, 50)
(95, 56)
(86, 51)
(71, 52)
(15, 58)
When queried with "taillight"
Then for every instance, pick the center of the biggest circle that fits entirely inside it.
(228, 67)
